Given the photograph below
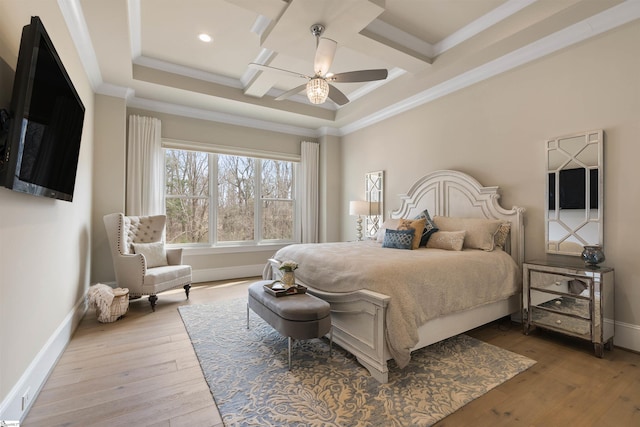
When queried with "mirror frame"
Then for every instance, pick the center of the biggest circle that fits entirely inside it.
(567, 159)
(374, 192)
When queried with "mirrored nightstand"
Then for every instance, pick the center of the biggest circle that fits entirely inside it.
(576, 301)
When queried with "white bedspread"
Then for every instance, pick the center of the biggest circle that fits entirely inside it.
(423, 283)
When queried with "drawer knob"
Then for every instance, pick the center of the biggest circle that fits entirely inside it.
(558, 302)
(558, 321)
(558, 283)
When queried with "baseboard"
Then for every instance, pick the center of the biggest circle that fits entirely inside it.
(33, 379)
(627, 336)
(226, 273)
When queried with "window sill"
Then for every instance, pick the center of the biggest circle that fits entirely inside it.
(211, 250)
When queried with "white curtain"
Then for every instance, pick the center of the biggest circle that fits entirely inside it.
(308, 191)
(145, 167)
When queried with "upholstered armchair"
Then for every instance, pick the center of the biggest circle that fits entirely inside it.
(140, 260)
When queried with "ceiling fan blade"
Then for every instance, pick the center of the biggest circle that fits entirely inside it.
(291, 92)
(279, 70)
(359, 76)
(325, 52)
(337, 96)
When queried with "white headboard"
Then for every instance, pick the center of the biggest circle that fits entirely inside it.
(453, 193)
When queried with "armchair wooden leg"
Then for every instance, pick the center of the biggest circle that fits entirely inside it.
(152, 300)
(187, 287)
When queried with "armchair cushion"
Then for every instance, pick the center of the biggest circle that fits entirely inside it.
(168, 277)
(154, 253)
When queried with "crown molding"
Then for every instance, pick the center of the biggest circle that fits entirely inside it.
(583, 30)
(498, 14)
(74, 17)
(197, 113)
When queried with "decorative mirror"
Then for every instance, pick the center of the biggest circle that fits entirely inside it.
(574, 192)
(374, 194)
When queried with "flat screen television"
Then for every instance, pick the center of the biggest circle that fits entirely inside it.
(40, 154)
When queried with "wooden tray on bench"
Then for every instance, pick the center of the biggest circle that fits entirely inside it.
(295, 290)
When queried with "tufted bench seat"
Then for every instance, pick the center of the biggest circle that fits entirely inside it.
(299, 317)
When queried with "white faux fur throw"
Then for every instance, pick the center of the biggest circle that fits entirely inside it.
(423, 283)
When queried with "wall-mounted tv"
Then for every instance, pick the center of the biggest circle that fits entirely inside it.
(40, 154)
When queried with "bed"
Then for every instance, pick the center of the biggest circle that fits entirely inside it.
(381, 307)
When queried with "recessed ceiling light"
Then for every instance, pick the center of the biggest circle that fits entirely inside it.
(205, 37)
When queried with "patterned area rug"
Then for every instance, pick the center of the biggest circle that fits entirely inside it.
(246, 370)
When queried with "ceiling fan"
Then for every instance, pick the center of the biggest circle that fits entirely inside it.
(317, 86)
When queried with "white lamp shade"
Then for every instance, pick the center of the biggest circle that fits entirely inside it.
(359, 207)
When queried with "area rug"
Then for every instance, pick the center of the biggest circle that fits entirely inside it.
(247, 372)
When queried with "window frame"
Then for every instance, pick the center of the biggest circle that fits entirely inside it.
(257, 156)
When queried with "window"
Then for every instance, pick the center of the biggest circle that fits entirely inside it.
(225, 199)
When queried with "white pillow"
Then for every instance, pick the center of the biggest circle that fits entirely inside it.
(154, 253)
(480, 231)
(449, 240)
(391, 224)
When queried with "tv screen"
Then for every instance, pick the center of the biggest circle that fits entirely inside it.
(46, 117)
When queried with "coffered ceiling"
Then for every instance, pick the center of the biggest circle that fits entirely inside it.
(149, 51)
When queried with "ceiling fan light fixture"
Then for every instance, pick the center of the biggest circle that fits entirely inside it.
(317, 90)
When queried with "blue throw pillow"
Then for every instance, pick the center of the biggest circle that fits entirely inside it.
(398, 239)
(429, 227)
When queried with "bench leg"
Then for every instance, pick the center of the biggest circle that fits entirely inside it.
(290, 340)
(247, 316)
(331, 341)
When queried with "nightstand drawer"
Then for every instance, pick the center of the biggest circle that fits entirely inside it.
(580, 328)
(561, 283)
(562, 304)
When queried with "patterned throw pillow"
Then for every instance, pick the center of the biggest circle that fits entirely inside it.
(413, 224)
(398, 239)
(429, 227)
(501, 235)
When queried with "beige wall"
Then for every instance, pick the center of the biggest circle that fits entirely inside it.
(495, 131)
(330, 215)
(109, 166)
(44, 243)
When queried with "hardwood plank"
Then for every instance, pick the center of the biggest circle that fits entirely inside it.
(142, 370)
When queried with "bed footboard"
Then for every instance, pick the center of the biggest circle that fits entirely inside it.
(358, 320)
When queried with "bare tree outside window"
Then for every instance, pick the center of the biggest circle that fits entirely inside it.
(187, 196)
(236, 198)
(246, 189)
(277, 200)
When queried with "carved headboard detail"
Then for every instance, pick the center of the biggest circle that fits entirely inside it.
(454, 193)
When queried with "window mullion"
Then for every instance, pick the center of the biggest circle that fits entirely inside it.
(257, 208)
(213, 199)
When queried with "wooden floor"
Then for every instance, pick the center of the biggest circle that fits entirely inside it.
(142, 371)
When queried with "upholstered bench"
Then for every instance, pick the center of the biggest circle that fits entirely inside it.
(299, 317)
